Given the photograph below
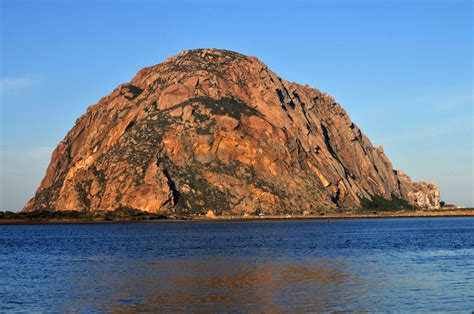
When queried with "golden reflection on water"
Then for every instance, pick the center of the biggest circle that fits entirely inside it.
(224, 284)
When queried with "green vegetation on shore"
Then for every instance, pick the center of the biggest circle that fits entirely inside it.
(381, 204)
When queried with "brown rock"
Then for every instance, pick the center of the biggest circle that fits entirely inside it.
(210, 214)
(214, 130)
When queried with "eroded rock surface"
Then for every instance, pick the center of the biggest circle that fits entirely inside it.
(216, 130)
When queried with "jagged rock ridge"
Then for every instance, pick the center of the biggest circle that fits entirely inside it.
(216, 130)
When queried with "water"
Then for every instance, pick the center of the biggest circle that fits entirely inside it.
(293, 266)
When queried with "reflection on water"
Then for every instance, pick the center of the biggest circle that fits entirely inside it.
(272, 266)
(223, 283)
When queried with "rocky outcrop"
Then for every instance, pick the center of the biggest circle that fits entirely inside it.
(424, 195)
(216, 130)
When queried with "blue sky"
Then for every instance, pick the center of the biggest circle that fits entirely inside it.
(402, 69)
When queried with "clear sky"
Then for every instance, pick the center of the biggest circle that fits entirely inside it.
(402, 69)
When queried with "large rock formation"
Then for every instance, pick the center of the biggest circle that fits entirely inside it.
(216, 130)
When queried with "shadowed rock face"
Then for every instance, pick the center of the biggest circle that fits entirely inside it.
(216, 130)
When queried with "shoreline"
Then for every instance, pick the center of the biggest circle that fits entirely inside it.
(384, 215)
(419, 214)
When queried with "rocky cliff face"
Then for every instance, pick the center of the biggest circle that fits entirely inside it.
(216, 130)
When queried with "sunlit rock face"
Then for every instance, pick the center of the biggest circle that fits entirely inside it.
(216, 130)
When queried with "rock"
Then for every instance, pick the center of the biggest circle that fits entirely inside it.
(214, 130)
(188, 113)
(422, 194)
(425, 195)
(227, 123)
(210, 214)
